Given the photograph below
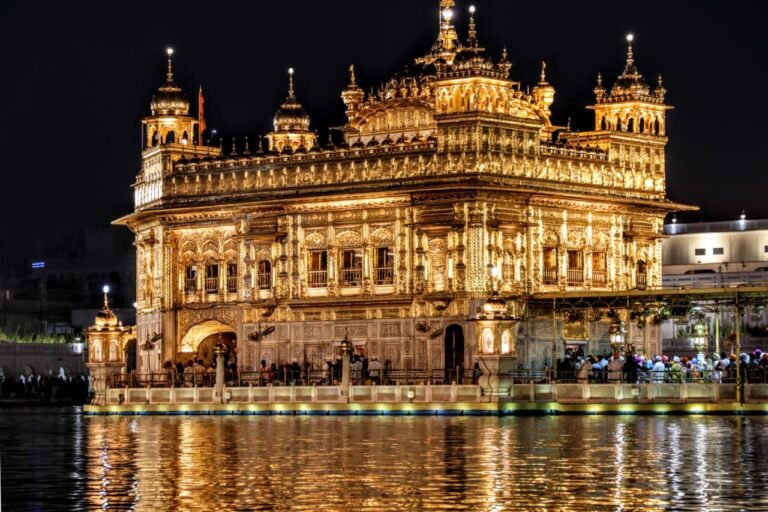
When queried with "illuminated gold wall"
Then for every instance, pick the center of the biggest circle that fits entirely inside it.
(448, 186)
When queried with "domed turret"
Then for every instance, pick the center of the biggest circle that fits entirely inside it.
(291, 124)
(170, 122)
(106, 318)
(630, 105)
(291, 116)
(169, 100)
(630, 85)
(353, 96)
(544, 93)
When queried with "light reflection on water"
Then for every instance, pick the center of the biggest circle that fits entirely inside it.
(68, 462)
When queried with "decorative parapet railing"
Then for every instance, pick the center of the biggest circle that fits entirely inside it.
(531, 392)
(564, 169)
(295, 394)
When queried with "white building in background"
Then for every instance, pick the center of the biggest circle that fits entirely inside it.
(715, 254)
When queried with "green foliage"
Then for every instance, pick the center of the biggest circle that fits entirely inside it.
(30, 336)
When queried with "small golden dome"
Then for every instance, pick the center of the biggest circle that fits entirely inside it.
(169, 98)
(495, 306)
(291, 116)
(105, 318)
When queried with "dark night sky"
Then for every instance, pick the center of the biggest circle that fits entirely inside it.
(78, 77)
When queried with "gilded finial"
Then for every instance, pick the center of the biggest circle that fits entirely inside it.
(504, 54)
(543, 78)
(234, 151)
(290, 82)
(630, 56)
(472, 39)
(568, 125)
(352, 80)
(599, 79)
(105, 289)
(260, 149)
(169, 75)
(661, 82)
(247, 150)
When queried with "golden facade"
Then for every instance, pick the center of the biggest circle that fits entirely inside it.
(452, 181)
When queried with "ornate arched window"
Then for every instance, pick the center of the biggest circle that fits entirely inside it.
(98, 354)
(113, 350)
(487, 341)
(506, 342)
(264, 276)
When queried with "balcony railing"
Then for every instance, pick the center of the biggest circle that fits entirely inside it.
(575, 276)
(642, 281)
(550, 275)
(265, 281)
(351, 277)
(232, 285)
(599, 277)
(317, 278)
(385, 275)
(190, 285)
(211, 285)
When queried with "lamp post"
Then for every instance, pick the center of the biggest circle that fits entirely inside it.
(346, 349)
(700, 338)
(220, 349)
(616, 336)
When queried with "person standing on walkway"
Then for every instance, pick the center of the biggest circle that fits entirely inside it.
(658, 371)
(374, 370)
(615, 366)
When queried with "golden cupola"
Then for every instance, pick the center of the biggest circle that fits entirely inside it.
(291, 124)
(106, 318)
(543, 92)
(630, 105)
(353, 96)
(169, 100)
(169, 122)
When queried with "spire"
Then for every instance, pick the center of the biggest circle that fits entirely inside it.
(105, 289)
(504, 64)
(169, 75)
(234, 150)
(247, 150)
(630, 56)
(447, 44)
(660, 90)
(599, 90)
(290, 83)
(352, 81)
(260, 149)
(472, 39)
(543, 93)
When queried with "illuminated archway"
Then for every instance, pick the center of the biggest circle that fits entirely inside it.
(197, 333)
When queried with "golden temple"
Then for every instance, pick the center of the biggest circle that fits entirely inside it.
(451, 183)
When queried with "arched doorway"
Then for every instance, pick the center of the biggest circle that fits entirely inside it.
(130, 356)
(205, 351)
(201, 338)
(454, 349)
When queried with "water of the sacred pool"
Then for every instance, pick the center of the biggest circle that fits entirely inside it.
(57, 459)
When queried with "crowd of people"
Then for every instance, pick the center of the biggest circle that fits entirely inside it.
(49, 387)
(631, 368)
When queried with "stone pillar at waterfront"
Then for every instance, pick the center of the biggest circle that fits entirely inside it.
(495, 345)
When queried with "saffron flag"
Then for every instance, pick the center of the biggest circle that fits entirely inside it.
(200, 116)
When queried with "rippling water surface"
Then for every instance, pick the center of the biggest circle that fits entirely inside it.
(59, 460)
